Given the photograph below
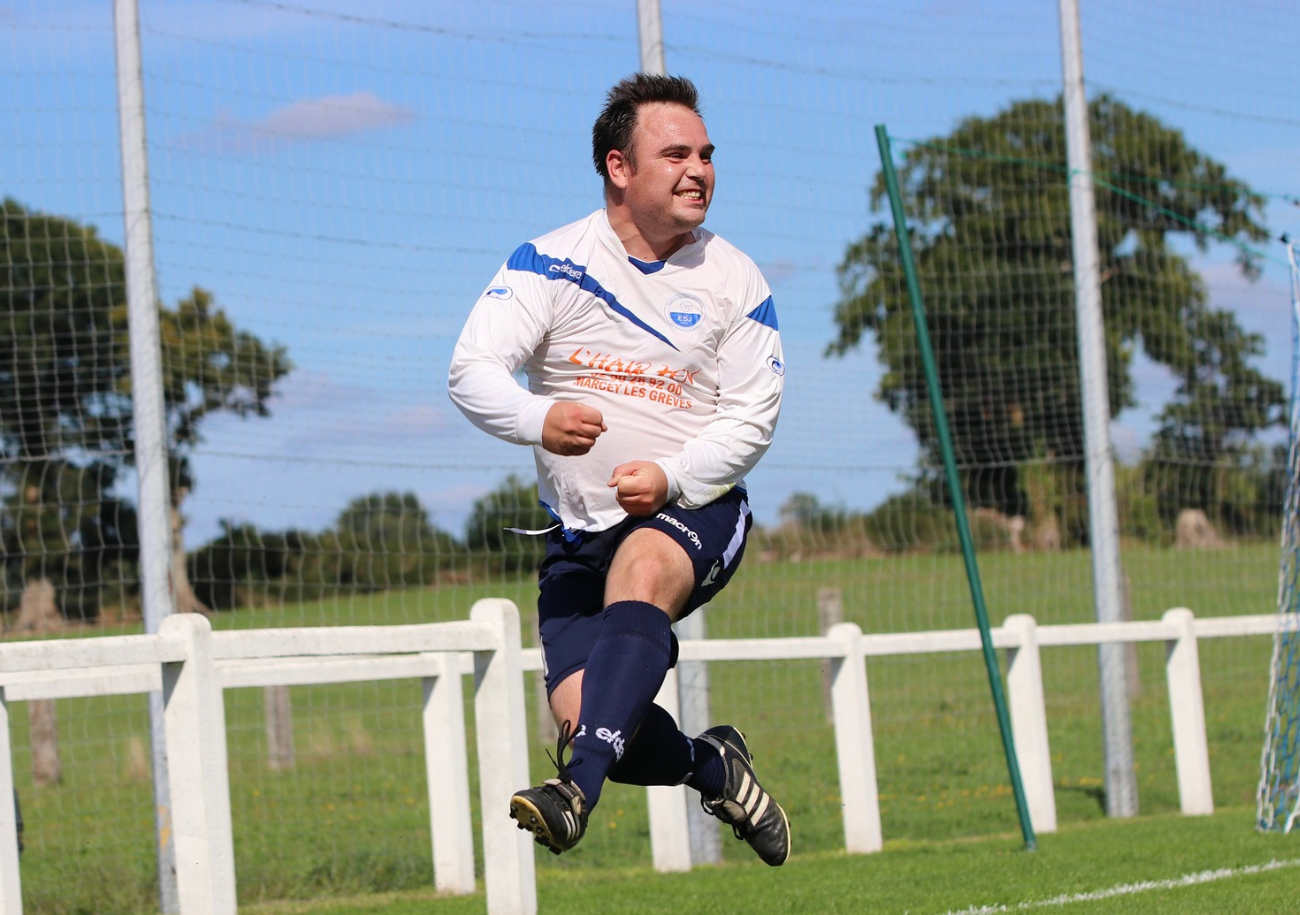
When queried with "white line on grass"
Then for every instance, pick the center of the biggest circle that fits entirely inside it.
(1130, 889)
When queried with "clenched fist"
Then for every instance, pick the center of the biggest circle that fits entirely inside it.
(642, 487)
(571, 428)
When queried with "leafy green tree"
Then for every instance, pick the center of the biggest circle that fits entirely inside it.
(515, 503)
(379, 541)
(65, 399)
(1203, 455)
(248, 567)
(59, 526)
(1241, 487)
(988, 208)
(804, 511)
(386, 540)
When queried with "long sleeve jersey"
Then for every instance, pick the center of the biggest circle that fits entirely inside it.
(682, 358)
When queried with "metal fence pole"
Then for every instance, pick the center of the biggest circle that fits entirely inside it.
(693, 676)
(1103, 515)
(147, 406)
(650, 30)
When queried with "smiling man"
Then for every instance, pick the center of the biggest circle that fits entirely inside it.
(655, 374)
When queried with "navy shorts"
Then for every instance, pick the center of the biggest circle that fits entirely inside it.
(571, 603)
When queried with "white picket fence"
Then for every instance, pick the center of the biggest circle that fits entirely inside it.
(847, 649)
(191, 665)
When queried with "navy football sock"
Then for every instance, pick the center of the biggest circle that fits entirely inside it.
(624, 672)
(710, 775)
(659, 754)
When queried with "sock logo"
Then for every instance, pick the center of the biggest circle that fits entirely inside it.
(613, 738)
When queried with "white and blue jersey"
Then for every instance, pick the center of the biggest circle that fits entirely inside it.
(682, 358)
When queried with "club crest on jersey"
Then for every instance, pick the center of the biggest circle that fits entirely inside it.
(499, 292)
(685, 311)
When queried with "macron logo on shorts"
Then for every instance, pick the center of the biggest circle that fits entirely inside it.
(691, 535)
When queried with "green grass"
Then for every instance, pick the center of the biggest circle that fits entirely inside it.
(1109, 860)
(352, 818)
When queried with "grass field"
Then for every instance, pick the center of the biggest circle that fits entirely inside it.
(352, 817)
(1191, 866)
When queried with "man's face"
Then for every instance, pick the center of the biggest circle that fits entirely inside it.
(669, 190)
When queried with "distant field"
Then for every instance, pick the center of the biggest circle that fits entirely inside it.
(352, 817)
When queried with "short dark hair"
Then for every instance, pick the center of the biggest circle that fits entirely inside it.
(617, 121)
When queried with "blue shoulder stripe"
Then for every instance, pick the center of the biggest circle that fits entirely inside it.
(765, 313)
(529, 260)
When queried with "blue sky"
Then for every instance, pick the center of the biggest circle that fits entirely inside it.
(346, 177)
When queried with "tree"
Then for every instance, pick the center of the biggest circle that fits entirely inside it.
(513, 504)
(379, 541)
(989, 211)
(65, 398)
(60, 525)
(1203, 454)
(804, 511)
(386, 540)
(245, 566)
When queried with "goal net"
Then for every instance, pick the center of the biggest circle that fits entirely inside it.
(1279, 784)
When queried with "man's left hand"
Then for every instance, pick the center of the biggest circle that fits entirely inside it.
(642, 487)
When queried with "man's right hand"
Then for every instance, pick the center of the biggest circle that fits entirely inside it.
(571, 428)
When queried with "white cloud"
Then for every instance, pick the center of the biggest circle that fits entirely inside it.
(325, 118)
(332, 116)
(381, 432)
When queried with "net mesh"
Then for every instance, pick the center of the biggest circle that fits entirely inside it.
(332, 189)
(1279, 785)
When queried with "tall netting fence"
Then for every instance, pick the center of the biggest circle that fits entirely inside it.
(333, 188)
(1278, 796)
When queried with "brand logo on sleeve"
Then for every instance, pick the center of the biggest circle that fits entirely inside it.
(499, 292)
(685, 311)
(776, 365)
(567, 269)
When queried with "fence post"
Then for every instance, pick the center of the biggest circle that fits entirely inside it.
(1187, 709)
(854, 743)
(11, 896)
(195, 722)
(1029, 721)
(670, 834)
(693, 717)
(830, 611)
(547, 731)
(278, 706)
(446, 764)
(501, 727)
